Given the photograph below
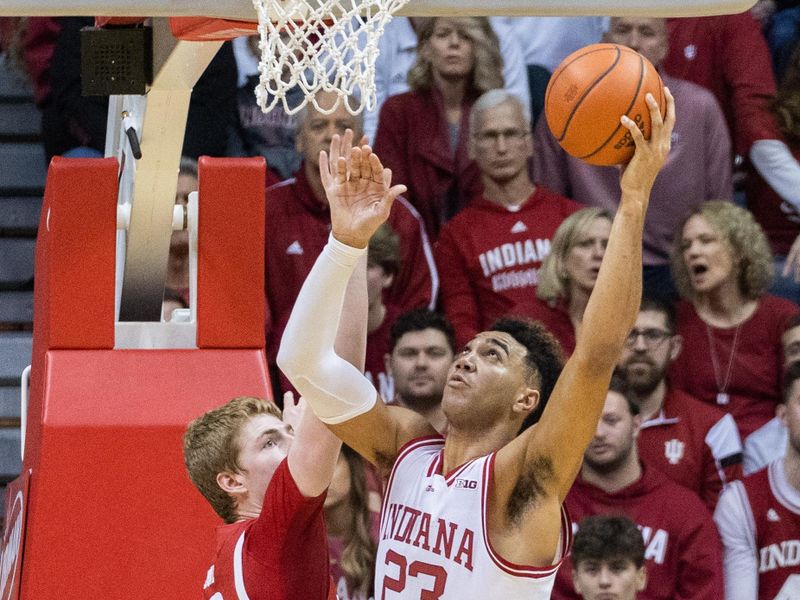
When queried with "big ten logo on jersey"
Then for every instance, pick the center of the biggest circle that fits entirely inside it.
(469, 484)
(656, 542)
(507, 256)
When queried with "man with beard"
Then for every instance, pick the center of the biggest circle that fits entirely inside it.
(421, 350)
(683, 556)
(694, 443)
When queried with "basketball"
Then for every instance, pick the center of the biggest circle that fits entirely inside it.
(588, 93)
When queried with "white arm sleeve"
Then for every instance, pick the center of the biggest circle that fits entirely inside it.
(775, 163)
(737, 529)
(334, 388)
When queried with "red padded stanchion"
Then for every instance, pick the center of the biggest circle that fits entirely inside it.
(109, 511)
(231, 306)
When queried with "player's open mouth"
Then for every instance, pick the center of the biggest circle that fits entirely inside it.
(456, 378)
(699, 269)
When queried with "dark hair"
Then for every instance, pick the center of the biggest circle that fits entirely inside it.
(606, 537)
(661, 305)
(619, 384)
(544, 357)
(790, 375)
(792, 322)
(421, 319)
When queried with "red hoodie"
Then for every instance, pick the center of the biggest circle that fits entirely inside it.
(683, 555)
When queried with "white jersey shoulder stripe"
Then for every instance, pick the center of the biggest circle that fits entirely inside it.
(238, 569)
(565, 538)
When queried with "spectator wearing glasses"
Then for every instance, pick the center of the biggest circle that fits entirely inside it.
(732, 355)
(492, 269)
(693, 443)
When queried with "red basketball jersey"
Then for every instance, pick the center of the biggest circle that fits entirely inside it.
(281, 555)
(777, 531)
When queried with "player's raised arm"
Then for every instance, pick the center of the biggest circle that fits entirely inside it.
(570, 419)
(360, 195)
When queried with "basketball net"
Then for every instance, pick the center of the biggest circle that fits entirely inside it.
(309, 46)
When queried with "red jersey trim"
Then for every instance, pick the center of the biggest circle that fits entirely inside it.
(516, 570)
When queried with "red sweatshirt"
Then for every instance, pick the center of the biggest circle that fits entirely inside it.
(694, 444)
(683, 554)
(489, 258)
(297, 228)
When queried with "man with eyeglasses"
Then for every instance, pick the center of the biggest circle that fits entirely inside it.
(692, 442)
(489, 255)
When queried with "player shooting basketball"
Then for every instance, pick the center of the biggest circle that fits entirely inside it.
(477, 514)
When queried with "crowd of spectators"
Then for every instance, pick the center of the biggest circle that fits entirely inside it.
(499, 220)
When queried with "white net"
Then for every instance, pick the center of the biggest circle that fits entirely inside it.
(309, 46)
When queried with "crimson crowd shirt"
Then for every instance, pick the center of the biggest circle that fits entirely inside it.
(489, 256)
(694, 444)
(754, 385)
(682, 548)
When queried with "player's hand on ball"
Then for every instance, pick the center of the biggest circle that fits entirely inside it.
(640, 173)
(293, 411)
(359, 190)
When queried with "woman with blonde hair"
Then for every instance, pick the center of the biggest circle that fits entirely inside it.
(731, 328)
(423, 134)
(569, 272)
(352, 509)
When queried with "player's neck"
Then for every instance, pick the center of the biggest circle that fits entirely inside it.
(512, 193)
(463, 445)
(650, 405)
(627, 473)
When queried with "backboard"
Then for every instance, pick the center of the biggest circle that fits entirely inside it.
(243, 9)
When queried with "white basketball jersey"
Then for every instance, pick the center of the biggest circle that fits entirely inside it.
(434, 542)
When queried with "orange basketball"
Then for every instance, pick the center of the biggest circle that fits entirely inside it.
(588, 93)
